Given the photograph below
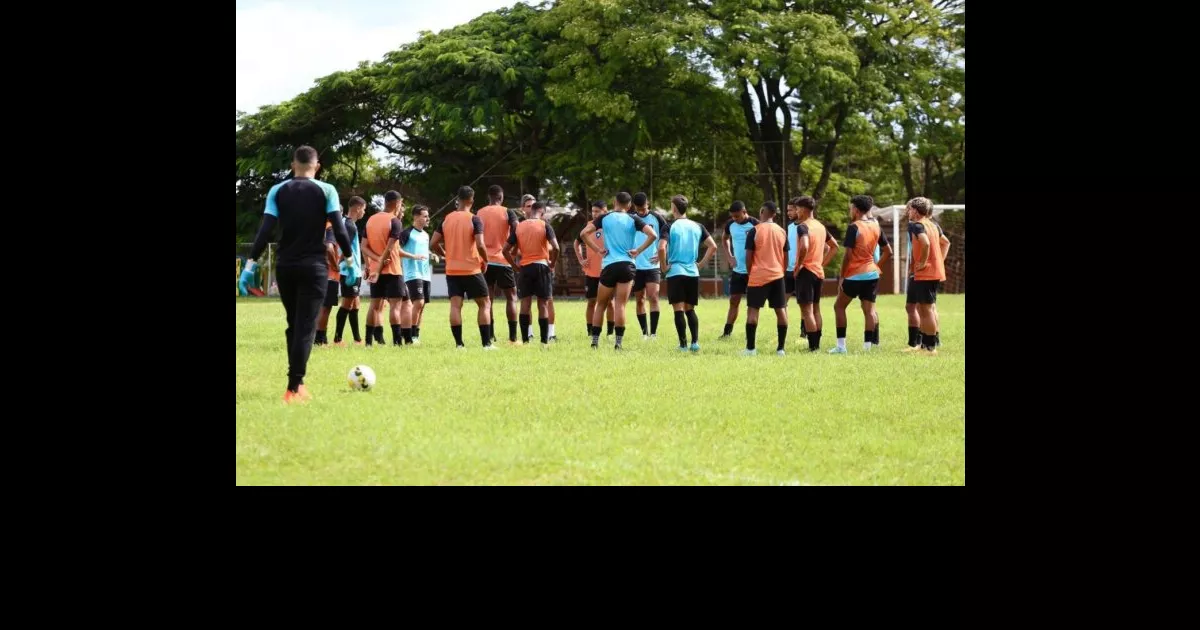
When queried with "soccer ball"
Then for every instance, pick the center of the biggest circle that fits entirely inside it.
(361, 378)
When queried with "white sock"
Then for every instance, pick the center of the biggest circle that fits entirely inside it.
(867, 345)
(842, 343)
(529, 331)
(550, 333)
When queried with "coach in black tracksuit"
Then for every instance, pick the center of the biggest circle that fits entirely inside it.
(301, 206)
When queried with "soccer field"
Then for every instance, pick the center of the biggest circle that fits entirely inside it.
(570, 415)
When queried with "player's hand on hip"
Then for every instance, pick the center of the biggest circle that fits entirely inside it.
(373, 278)
(422, 257)
(921, 266)
(633, 253)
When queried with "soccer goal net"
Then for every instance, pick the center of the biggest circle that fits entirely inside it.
(952, 218)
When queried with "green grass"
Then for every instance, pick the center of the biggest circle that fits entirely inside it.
(570, 415)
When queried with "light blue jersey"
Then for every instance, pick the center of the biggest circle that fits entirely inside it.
(793, 245)
(619, 230)
(737, 233)
(415, 242)
(659, 225)
(684, 237)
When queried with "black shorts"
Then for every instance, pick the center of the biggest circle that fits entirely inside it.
(922, 291)
(536, 280)
(351, 290)
(789, 282)
(418, 289)
(684, 289)
(737, 283)
(865, 290)
(593, 286)
(769, 293)
(331, 294)
(389, 287)
(617, 273)
(642, 277)
(473, 287)
(500, 277)
(808, 287)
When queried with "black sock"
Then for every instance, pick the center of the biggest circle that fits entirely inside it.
(491, 315)
(937, 339)
(294, 382)
(595, 336)
(694, 325)
(814, 340)
(610, 328)
(416, 332)
(803, 330)
(485, 334)
(782, 328)
(914, 336)
(928, 342)
(642, 323)
(620, 334)
(681, 328)
(868, 336)
(512, 330)
(370, 335)
(841, 332)
(319, 338)
(397, 338)
(457, 330)
(343, 313)
(751, 333)
(406, 333)
(544, 328)
(525, 319)
(379, 335)
(875, 335)
(354, 324)
(728, 330)
(654, 322)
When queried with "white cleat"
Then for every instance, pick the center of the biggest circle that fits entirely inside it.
(780, 353)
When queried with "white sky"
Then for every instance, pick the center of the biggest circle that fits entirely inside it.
(283, 48)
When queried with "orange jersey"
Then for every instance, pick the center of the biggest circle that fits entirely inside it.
(380, 227)
(532, 238)
(591, 268)
(935, 267)
(769, 243)
(458, 231)
(816, 245)
(862, 237)
(498, 221)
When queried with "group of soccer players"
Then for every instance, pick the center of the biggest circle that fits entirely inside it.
(626, 251)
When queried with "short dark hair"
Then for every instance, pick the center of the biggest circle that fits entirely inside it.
(680, 202)
(539, 205)
(863, 203)
(356, 201)
(391, 196)
(769, 206)
(418, 209)
(640, 199)
(495, 193)
(921, 205)
(623, 197)
(465, 193)
(737, 206)
(305, 155)
(600, 203)
(804, 201)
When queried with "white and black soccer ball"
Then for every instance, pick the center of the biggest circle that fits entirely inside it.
(361, 378)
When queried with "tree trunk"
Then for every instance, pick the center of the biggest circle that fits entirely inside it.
(754, 132)
(906, 170)
(927, 187)
(831, 151)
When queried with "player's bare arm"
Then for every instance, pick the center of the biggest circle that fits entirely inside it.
(924, 239)
(749, 261)
(436, 244)
(885, 256)
(650, 238)
(945, 243)
(662, 255)
(801, 252)
(510, 252)
(831, 247)
(728, 240)
(711, 246)
(580, 253)
(479, 247)
(589, 237)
